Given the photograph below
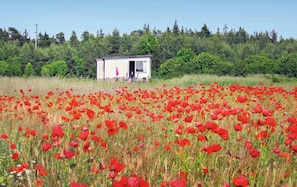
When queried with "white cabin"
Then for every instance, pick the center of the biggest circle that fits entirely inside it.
(124, 68)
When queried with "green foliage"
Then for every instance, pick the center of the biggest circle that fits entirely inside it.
(288, 65)
(14, 66)
(29, 70)
(239, 53)
(256, 64)
(56, 68)
(148, 44)
(205, 63)
(177, 66)
(224, 68)
(79, 66)
(3, 67)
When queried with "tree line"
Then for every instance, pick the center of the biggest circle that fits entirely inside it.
(175, 51)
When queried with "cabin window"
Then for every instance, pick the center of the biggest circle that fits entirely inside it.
(141, 66)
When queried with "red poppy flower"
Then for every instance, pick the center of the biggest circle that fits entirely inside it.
(84, 135)
(190, 130)
(201, 138)
(205, 170)
(254, 152)
(241, 181)
(178, 183)
(294, 147)
(39, 182)
(46, 146)
(237, 127)
(68, 154)
(74, 184)
(90, 114)
(276, 150)
(12, 146)
(14, 156)
(4, 136)
(241, 99)
(212, 148)
(188, 119)
(57, 131)
(116, 166)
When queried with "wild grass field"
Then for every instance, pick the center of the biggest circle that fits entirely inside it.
(197, 130)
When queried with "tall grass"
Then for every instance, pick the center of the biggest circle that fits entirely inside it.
(43, 85)
(157, 142)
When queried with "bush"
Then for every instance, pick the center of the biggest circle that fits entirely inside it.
(288, 64)
(56, 68)
(205, 63)
(3, 67)
(29, 70)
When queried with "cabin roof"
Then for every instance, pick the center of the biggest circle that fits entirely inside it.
(124, 57)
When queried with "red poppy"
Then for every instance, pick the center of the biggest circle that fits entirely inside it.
(188, 119)
(73, 144)
(39, 182)
(4, 136)
(205, 170)
(276, 150)
(294, 147)
(190, 130)
(241, 181)
(182, 174)
(74, 184)
(254, 152)
(90, 114)
(201, 138)
(178, 183)
(241, 99)
(212, 148)
(46, 146)
(68, 154)
(12, 146)
(115, 165)
(14, 156)
(183, 142)
(84, 135)
(123, 125)
(248, 144)
(237, 127)
(112, 174)
(57, 131)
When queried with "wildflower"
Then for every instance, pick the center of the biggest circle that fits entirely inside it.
(46, 146)
(14, 156)
(83, 135)
(57, 131)
(68, 154)
(4, 136)
(90, 114)
(241, 181)
(39, 182)
(254, 153)
(74, 184)
(178, 183)
(241, 99)
(276, 150)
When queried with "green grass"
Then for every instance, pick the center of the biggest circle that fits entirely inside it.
(43, 85)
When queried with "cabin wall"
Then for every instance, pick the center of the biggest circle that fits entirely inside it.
(107, 68)
(100, 70)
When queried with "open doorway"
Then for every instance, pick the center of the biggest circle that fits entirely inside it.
(131, 69)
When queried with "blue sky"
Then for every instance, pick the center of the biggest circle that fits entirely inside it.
(54, 16)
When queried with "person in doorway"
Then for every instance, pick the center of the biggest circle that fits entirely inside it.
(132, 76)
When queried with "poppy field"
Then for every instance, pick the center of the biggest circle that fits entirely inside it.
(167, 136)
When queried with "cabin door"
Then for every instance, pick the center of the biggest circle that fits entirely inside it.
(131, 69)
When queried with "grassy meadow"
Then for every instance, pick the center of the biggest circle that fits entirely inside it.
(197, 130)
